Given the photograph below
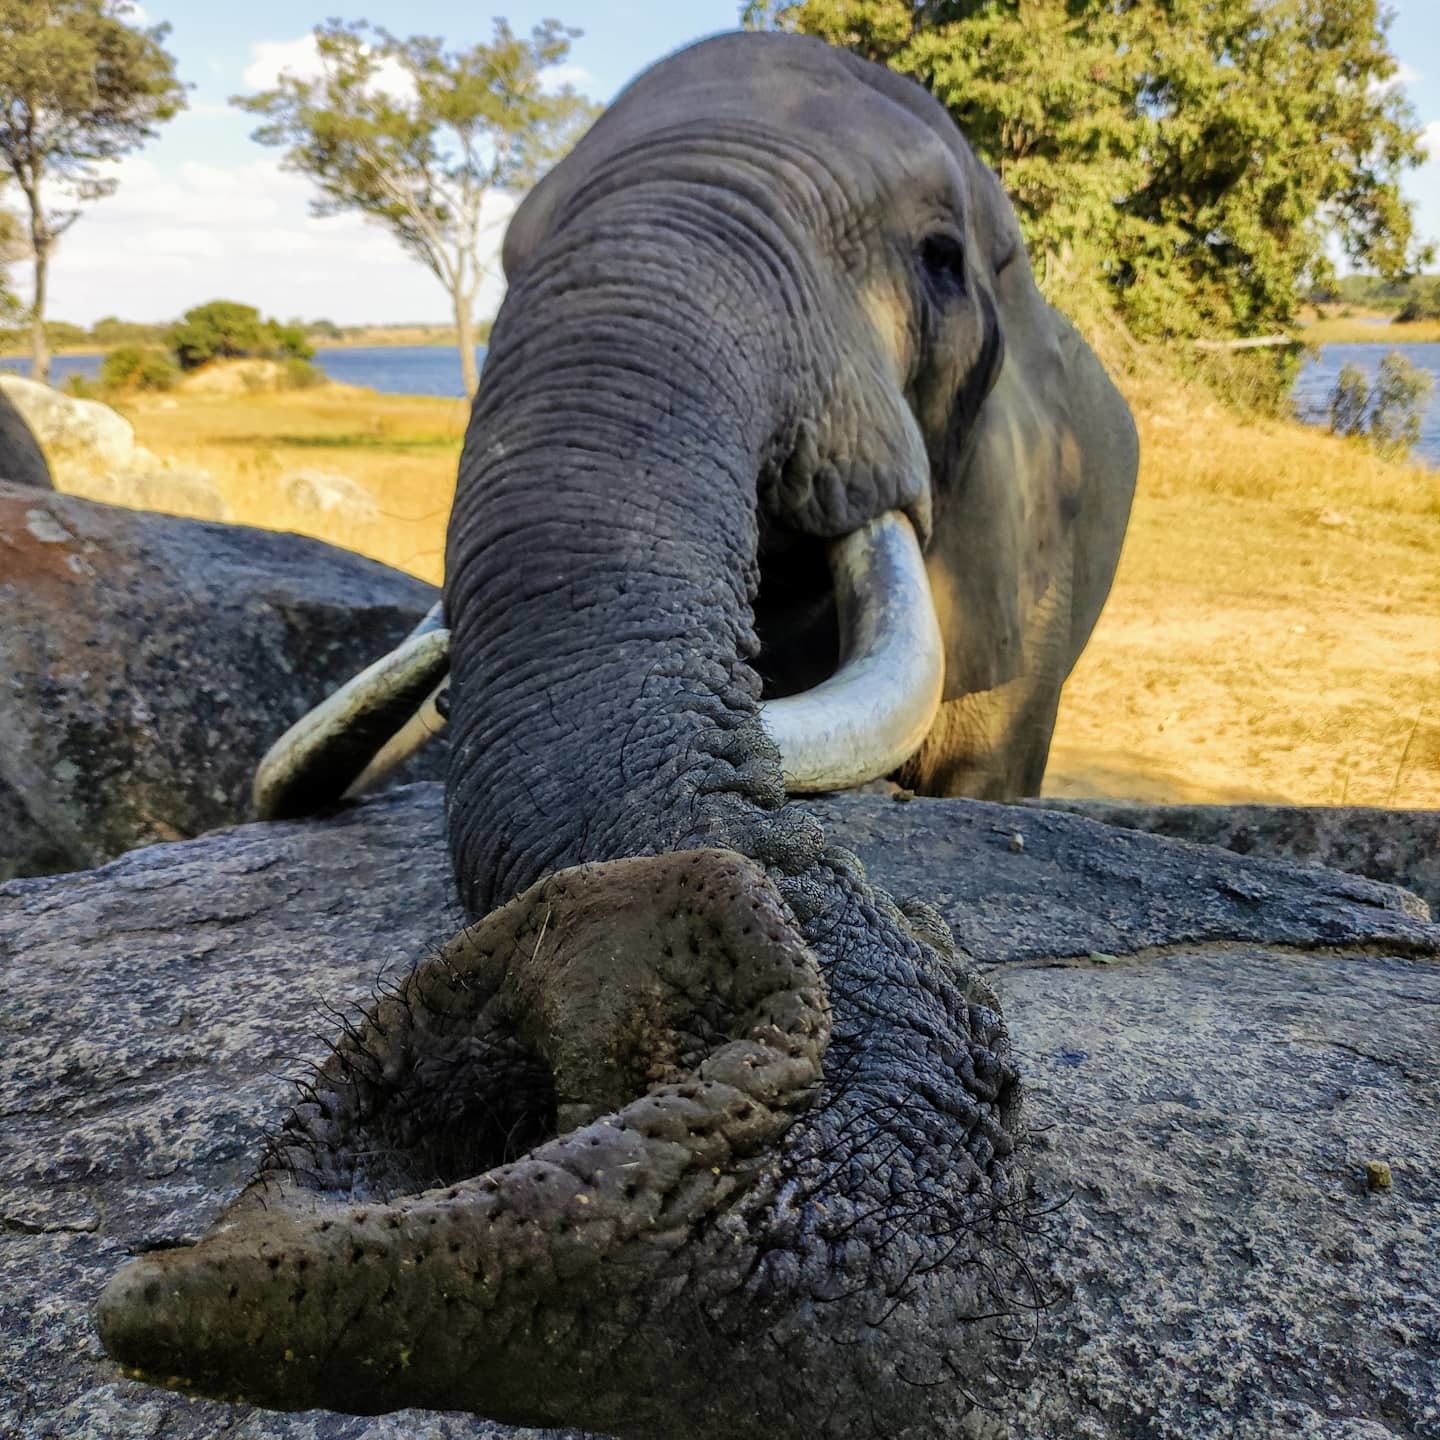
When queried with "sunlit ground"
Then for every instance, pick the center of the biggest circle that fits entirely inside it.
(1273, 632)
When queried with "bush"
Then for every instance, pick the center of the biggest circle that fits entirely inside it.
(1389, 412)
(1423, 303)
(297, 373)
(227, 330)
(80, 387)
(1349, 401)
(1397, 405)
(138, 367)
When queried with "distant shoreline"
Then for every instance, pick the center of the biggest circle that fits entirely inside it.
(380, 340)
(1372, 330)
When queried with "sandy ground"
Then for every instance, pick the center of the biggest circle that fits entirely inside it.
(1249, 652)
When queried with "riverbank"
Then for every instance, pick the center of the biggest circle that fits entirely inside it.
(358, 338)
(1270, 636)
(1369, 329)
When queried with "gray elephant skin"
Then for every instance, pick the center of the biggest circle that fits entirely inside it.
(695, 1132)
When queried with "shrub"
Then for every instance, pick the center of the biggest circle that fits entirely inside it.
(227, 330)
(222, 329)
(138, 367)
(1423, 302)
(297, 373)
(1389, 412)
(81, 387)
(1397, 404)
(1349, 401)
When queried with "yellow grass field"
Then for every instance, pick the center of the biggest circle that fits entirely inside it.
(1356, 329)
(1273, 632)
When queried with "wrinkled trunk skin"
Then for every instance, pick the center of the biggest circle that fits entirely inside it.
(791, 1206)
(602, 563)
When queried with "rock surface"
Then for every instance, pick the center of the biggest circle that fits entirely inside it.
(63, 423)
(146, 663)
(1216, 1047)
(22, 462)
(1400, 847)
(326, 492)
(149, 483)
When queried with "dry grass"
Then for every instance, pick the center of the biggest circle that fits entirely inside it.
(403, 449)
(1353, 330)
(1272, 632)
(1274, 624)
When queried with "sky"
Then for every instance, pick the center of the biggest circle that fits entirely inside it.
(204, 212)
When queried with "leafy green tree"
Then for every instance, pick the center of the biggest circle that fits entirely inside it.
(80, 84)
(227, 330)
(416, 137)
(1194, 157)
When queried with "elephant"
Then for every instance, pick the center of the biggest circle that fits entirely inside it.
(779, 459)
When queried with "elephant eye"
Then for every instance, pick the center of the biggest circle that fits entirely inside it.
(942, 255)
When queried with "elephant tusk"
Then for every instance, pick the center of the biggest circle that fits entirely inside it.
(337, 749)
(863, 722)
(873, 713)
(426, 723)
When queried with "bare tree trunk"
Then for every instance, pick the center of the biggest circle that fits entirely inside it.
(465, 337)
(39, 345)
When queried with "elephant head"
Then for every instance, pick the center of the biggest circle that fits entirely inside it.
(695, 1133)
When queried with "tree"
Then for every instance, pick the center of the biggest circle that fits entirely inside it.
(1422, 303)
(227, 330)
(79, 85)
(416, 137)
(1194, 157)
(1391, 412)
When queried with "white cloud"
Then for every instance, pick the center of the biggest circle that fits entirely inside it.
(174, 237)
(301, 58)
(568, 74)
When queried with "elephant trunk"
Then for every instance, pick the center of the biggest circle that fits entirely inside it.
(601, 565)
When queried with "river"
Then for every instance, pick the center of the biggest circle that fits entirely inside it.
(435, 370)
(1318, 375)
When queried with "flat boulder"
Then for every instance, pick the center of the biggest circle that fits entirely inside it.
(326, 492)
(22, 461)
(1400, 847)
(1232, 1079)
(64, 425)
(147, 662)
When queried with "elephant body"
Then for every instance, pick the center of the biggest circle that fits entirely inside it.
(694, 1121)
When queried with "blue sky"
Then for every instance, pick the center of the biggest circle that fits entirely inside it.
(204, 212)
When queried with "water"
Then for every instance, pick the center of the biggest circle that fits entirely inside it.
(390, 369)
(1318, 376)
(435, 370)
